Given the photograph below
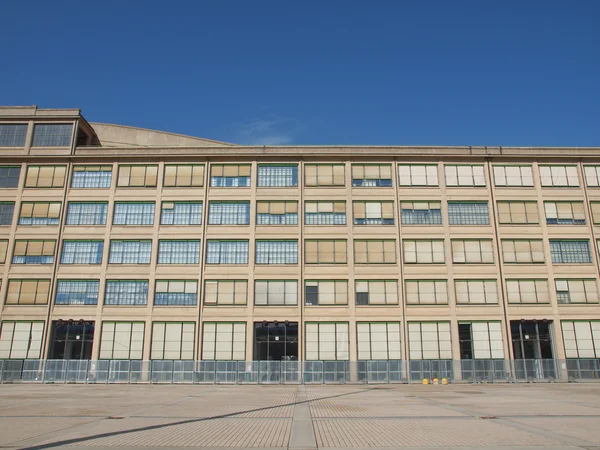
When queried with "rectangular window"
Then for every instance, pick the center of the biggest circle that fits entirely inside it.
(371, 175)
(465, 175)
(576, 291)
(137, 176)
(21, 340)
(276, 252)
(421, 213)
(86, 213)
(325, 251)
(130, 213)
(527, 291)
(375, 251)
(228, 213)
(126, 292)
(570, 252)
(426, 292)
(3, 250)
(476, 292)
(9, 176)
(277, 213)
(582, 338)
(513, 176)
(7, 210)
(230, 175)
(34, 252)
(325, 213)
(559, 176)
(373, 213)
(28, 292)
(472, 251)
(480, 340)
(122, 340)
(424, 251)
(277, 175)
(275, 292)
(45, 176)
(181, 213)
(77, 292)
(518, 213)
(327, 341)
(324, 175)
(52, 134)
(178, 252)
(592, 175)
(91, 177)
(523, 251)
(39, 213)
(130, 252)
(564, 213)
(224, 341)
(184, 175)
(468, 213)
(417, 175)
(376, 292)
(172, 340)
(429, 340)
(13, 134)
(378, 340)
(595, 207)
(225, 292)
(176, 293)
(227, 252)
(325, 292)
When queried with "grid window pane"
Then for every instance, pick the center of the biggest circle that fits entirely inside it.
(133, 213)
(327, 341)
(230, 176)
(464, 175)
(325, 213)
(52, 135)
(28, 292)
(122, 340)
(34, 252)
(277, 213)
(277, 175)
(559, 176)
(275, 292)
(172, 341)
(21, 340)
(178, 252)
(424, 251)
(371, 175)
(176, 293)
(87, 213)
(77, 292)
(516, 212)
(472, 251)
(225, 292)
(570, 252)
(375, 251)
(429, 340)
(82, 252)
(376, 292)
(137, 176)
(418, 175)
(523, 251)
(126, 292)
(229, 213)
(481, 340)
(373, 213)
(513, 176)
(527, 291)
(224, 341)
(324, 175)
(576, 291)
(187, 175)
(325, 251)
(45, 176)
(130, 252)
(181, 213)
(582, 338)
(276, 252)
(227, 252)
(426, 292)
(13, 135)
(468, 213)
(325, 292)
(421, 213)
(91, 177)
(476, 292)
(564, 213)
(40, 213)
(7, 210)
(9, 176)
(378, 340)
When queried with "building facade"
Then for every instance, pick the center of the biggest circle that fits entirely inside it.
(124, 243)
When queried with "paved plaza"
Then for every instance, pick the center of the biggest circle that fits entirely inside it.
(549, 416)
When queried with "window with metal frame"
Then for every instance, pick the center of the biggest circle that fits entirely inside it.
(172, 341)
(430, 251)
(126, 292)
(34, 252)
(523, 291)
(181, 213)
(77, 292)
(3, 250)
(418, 175)
(87, 213)
(559, 175)
(325, 251)
(224, 341)
(327, 341)
(595, 207)
(564, 213)
(230, 175)
(40, 213)
(581, 338)
(133, 213)
(373, 213)
(9, 176)
(476, 292)
(465, 175)
(277, 213)
(376, 292)
(13, 134)
(178, 251)
(226, 251)
(421, 213)
(592, 175)
(176, 293)
(21, 339)
(277, 175)
(27, 292)
(518, 212)
(325, 292)
(276, 251)
(7, 211)
(468, 213)
(130, 251)
(472, 251)
(513, 176)
(45, 176)
(426, 292)
(572, 290)
(378, 341)
(570, 251)
(523, 251)
(324, 175)
(122, 340)
(275, 292)
(480, 340)
(375, 251)
(91, 177)
(429, 340)
(371, 175)
(225, 292)
(184, 175)
(137, 176)
(52, 134)
(229, 213)
(82, 252)
(325, 213)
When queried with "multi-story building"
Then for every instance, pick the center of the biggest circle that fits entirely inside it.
(126, 243)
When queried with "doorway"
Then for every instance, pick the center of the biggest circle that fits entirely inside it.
(72, 339)
(532, 348)
(276, 341)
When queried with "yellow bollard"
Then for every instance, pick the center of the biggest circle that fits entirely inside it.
(444, 381)
(425, 381)
(435, 381)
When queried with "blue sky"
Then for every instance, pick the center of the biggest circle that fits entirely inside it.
(462, 72)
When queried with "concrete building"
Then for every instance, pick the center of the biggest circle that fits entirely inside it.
(125, 243)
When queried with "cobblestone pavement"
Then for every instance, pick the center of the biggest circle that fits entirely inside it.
(549, 416)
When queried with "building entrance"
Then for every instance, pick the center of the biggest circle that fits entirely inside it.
(276, 341)
(71, 340)
(532, 345)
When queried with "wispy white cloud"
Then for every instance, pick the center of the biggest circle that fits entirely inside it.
(267, 132)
